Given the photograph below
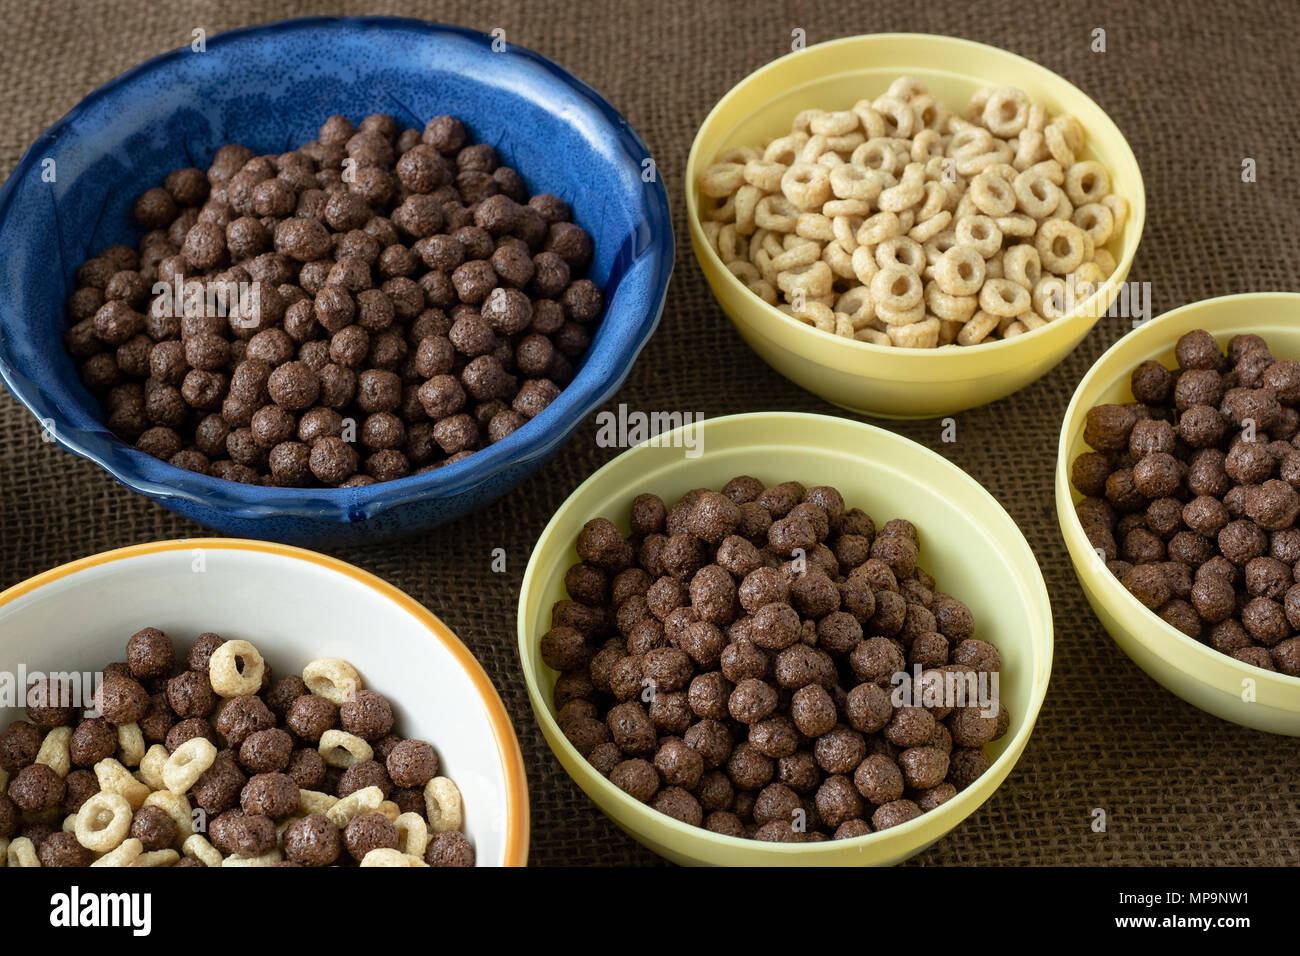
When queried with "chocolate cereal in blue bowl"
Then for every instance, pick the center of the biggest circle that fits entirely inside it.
(329, 280)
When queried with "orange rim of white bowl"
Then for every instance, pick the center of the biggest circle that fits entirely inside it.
(508, 752)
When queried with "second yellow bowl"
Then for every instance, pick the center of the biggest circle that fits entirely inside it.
(880, 380)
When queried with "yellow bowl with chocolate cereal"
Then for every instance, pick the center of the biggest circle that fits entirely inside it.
(849, 268)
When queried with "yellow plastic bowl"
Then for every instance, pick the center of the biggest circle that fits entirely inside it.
(1194, 671)
(970, 545)
(881, 380)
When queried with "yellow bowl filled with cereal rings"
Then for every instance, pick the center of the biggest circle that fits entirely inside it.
(912, 225)
(1176, 490)
(222, 702)
(754, 657)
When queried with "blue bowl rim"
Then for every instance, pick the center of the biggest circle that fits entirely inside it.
(531, 444)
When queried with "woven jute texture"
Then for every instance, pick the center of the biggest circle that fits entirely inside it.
(1196, 87)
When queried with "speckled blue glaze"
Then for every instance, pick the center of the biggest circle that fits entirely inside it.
(269, 88)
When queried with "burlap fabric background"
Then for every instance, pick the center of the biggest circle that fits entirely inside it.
(1195, 87)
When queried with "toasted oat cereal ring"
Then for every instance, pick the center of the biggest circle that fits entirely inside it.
(927, 145)
(1118, 207)
(718, 209)
(785, 150)
(948, 330)
(197, 847)
(931, 115)
(889, 317)
(960, 270)
(739, 154)
(927, 229)
(1031, 147)
(977, 328)
(313, 801)
(125, 854)
(1037, 117)
(187, 763)
(776, 213)
(899, 119)
(872, 123)
(843, 146)
(1017, 225)
(1072, 129)
(764, 290)
(817, 314)
(365, 800)
(1006, 112)
(151, 766)
(1064, 209)
(1002, 297)
(1089, 273)
(878, 228)
(176, 806)
(979, 232)
(814, 280)
(839, 261)
(227, 677)
(796, 255)
(722, 179)
(916, 335)
(807, 185)
(746, 272)
(711, 230)
(386, 856)
(443, 805)
(1036, 195)
(103, 822)
(54, 752)
(851, 181)
(764, 174)
(130, 744)
(1057, 147)
(937, 245)
(846, 229)
(856, 304)
(837, 123)
(338, 748)
(1049, 297)
(975, 105)
(877, 155)
(968, 142)
(332, 678)
(1014, 328)
(896, 289)
(872, 336)
(412, 833)
(156, 858)
(802, 121)
(269, 858)
(992, 194)
(1096, 221)
(115, 778)
(901, 251)
(814, 226)
(813, 150)
(747, 198)
(1030, 320)
(1105, 262)
(836, 208)
(909, 191)
(1020, 264)
(949, 308)
(1060, 246)
(727, 243)
(993, 267)
(906, 88)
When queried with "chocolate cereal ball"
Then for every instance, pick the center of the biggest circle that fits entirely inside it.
(312, 841)
(310, 716)
(266, 751)
(149, 653)
(93, 740)
(36, 788)
(449, 848)
(19, 744)
(62, 849)
(154, 828)
(412, 763)
(272, 794)
(366, 714)
(369, 831)
(122, 700)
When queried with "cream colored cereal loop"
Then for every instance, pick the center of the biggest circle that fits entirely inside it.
(718, 209)
(747, 198)
(332, 678)
(857, 305)
(1096, 221)
(1013, 328)
(744, 271)
(412, 834)
(1017, 225)
(899, 119)
(843, 326)
(1086, 182)
(54, 751)
(764, 174)
(313, 801)
(906, 88)
(115, 778)
(975, 105)
(992, 194)
(1036, 195)
(442, 803)
(1049, 297)
(130, 744)
(896, 289)
(817, 314)
(1105, 262)
(269, 858)
(877, 155)
(980, 232)
(1060, 246)
(927, 229)
(872, 336)
(969, 142)
(888, 317)
(948, 331)
(834, 208)
(739, 154)
(365, 800)
(935, 202)
(843, 146)
(833, 124)
(873, 124)
(776, 213)
(864, 264)
(103, 822)
(802, 121)
(197, 847)
(1002, 297)
(1030, 148)
(69, 824)
(845, 229)
(931, 115)
(927, 145)
(813, 225)
(727, 243)
(151, 765)
(722, 179)
(1089, 273)
(225, 674)
(804, 253)
(711, 230)
(1006, 112)
(386, 856)
(187, 763)
(977, 329)
(937, 245)
(901, 251)
(949, 308)
(960, 270)
(813, 150)
(909, 191)
(1056, 146)
(806, 185)
(993, 266)
(1020, 264)
(814, 280)
(21, 852)
(1037, 117)
(1071, 128)
(338, 748)
(851, 181)
(785, 150)
(156, 858)
(876, 229)
(1118, 207)
(176, 806)
(764, 289)
(839, 261)
(916, 335)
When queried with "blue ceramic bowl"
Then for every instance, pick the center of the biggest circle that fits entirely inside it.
(269, 88)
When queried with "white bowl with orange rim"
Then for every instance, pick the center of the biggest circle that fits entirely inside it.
(294, 606)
